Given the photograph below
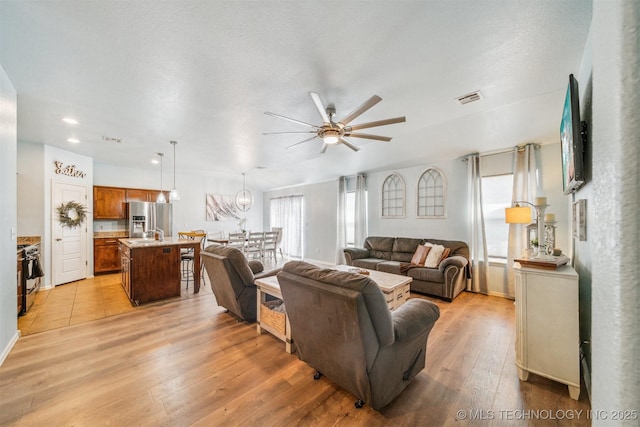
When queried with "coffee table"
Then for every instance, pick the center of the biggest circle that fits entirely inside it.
(270, 286)
(394, 286)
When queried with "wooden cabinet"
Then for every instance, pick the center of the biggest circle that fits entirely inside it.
(547, 335)
(138, 195)
(106, 255)
(150, 273)
(109, 203)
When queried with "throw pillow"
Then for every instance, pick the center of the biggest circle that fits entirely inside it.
(434, 255)
(420, 255)
(445, 254)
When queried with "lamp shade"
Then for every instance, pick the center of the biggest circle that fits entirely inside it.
(517, 215)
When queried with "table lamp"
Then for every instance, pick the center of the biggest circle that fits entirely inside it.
(522, 215)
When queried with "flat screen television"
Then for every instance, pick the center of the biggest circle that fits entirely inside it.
(571, 141)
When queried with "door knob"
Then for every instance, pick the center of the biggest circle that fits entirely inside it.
(58, 239)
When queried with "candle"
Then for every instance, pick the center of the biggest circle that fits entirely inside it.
(549, 217)
(541, 201)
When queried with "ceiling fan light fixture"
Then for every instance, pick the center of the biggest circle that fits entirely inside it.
(331, 136)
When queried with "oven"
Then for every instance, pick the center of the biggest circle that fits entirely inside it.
(32, 274)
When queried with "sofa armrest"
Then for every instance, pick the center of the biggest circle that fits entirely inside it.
(267, 273)
(413, 317)
(456, 260)
(355, 253)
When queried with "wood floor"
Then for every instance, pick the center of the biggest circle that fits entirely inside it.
(185, 362)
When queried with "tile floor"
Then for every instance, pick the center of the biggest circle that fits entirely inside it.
(89, 299)
(75, 302)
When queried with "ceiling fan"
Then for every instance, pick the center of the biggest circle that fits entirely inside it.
(337, 132)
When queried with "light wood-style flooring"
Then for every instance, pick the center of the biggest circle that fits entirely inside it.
(186, 362)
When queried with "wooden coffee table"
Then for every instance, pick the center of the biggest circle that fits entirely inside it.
(394, 286)
(270, 286)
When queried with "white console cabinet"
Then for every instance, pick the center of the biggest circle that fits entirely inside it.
(547, 335)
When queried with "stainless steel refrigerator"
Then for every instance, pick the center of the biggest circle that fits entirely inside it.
(146, 217)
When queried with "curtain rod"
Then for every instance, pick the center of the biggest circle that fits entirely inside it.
(517, 148)
(286, 197)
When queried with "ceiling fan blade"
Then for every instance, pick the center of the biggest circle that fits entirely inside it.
(289, 133)
(361, 109)
(379, 123)
(367, 136)
(316, 100)
(324, 148)
(291, 120)
(344, 141)
(298, 143)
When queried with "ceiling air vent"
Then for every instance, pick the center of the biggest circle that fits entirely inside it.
(470, 97)
(111, 139)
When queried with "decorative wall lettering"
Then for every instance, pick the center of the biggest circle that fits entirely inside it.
(70, 170)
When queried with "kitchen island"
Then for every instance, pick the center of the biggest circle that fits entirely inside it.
(150, 269)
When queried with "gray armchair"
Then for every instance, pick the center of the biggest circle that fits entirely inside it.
(232, 279)
(343, 328)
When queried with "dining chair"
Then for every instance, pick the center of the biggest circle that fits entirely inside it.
(255, 242)
(278, 240)
(270, 245)
(237, 240)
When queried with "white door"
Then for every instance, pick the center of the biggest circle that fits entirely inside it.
(69, 249)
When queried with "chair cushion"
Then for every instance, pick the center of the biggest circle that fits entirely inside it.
(380, 247)
(404, 248)
(426, 274)
(370, 263)
(393, 267)
(256, 266)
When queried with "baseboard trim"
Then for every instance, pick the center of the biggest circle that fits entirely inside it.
(9, 347)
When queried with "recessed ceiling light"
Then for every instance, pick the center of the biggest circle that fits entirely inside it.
(73, 140)
(70, 121)
(155, 161)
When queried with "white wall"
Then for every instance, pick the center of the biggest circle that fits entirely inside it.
(453, 227)
(189, 213)
(614, 232)
(320, 221)
(30, 189)
(8, 216)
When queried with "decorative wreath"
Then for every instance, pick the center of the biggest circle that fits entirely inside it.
(72, 214)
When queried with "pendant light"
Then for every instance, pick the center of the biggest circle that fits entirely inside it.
(244, 198)
(161, 197)
(174, 195)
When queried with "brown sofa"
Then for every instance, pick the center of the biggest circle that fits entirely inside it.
(342, 327)
(393, 255)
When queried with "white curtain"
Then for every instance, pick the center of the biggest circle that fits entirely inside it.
(288, 213)
(477, 239)
(526, 185)
(361, 225)
(341, 236)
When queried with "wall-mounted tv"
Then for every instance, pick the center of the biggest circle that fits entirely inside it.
(571, 140)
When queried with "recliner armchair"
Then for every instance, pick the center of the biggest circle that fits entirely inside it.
(232, 279)
(342, 327)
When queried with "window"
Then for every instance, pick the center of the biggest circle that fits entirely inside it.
(288, 213)
(496, 196)
(431, 197)
(393, 197)
(350, 218)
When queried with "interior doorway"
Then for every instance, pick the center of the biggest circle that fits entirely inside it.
(69, 243)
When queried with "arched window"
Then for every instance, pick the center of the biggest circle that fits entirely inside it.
(393, 197)
(431, 195)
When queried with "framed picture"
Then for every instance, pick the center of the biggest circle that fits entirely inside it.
(580, 220)
(221, 208)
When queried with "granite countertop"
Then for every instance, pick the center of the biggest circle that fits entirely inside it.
(29, 240)
(110, 234)
(146, 243)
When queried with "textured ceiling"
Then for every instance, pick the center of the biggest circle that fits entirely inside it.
(204, 72)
